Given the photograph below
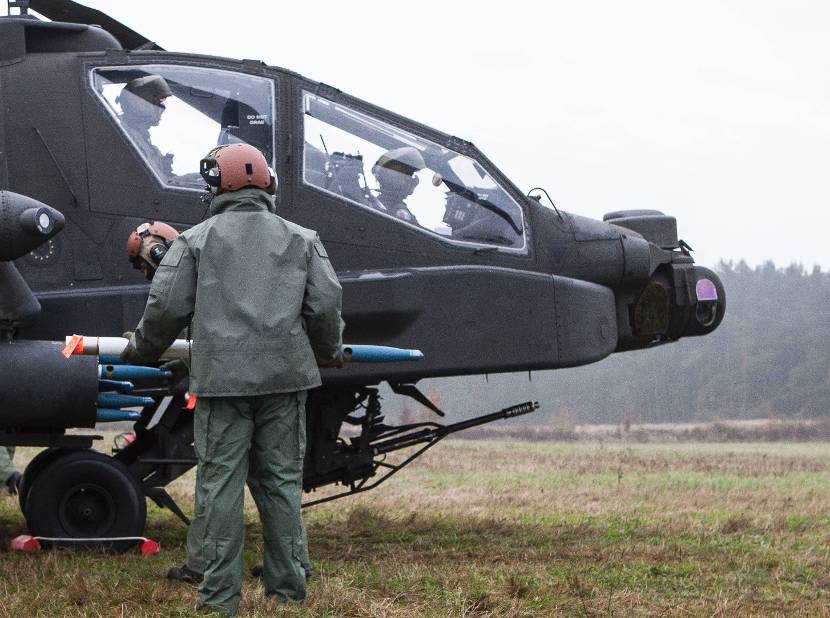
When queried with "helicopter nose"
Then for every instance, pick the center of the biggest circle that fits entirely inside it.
(25, 224)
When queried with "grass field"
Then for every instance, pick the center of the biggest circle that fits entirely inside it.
(478, 528)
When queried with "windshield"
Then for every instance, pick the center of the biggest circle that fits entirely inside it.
(173, 115)
(397, 174)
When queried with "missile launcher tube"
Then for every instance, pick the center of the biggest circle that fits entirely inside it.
(41, 389)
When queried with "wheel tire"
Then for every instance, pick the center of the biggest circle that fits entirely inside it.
(85, 494)
(35, 467)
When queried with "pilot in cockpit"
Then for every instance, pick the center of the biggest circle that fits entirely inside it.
(142, 105)
(395, 172)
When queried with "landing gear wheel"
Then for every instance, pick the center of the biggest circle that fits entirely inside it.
(35, 467)
(86, 495)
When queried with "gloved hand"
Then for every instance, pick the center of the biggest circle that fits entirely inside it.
(179, 368)
(337, 362)
(13, 482)
(130, 354)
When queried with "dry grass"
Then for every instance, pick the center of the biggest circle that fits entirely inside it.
(565, 429)
(511, 529)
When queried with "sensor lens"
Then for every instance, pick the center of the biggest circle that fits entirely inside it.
(706, 290)
(44, 221)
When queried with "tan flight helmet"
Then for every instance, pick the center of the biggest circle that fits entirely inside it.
(143, 98)
(147, 245)
(231, 167)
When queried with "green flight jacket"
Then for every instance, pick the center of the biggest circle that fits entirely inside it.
(263, 298)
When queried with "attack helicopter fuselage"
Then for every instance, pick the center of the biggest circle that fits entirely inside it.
(435, 248)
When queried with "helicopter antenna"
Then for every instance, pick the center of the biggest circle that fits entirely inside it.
(22, 5)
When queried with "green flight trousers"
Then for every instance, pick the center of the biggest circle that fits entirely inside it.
(196, 531)
(261, 438)
(7, 467)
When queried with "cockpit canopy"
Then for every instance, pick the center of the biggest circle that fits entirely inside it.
(206, 108)
(395, 173)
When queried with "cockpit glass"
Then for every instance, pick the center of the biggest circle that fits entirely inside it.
(173, 115)
(401, 175)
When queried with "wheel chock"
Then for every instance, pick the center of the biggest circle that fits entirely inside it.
(149, 547)
(27, 542)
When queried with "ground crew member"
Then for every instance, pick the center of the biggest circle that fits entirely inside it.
(395, 172)
(146, 247)
(264, 303)
(9, 473)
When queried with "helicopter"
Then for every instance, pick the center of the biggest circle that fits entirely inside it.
(435, 248)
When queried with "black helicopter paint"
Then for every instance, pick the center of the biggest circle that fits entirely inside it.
(482, 278)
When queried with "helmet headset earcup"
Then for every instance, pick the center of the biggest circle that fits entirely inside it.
(157, 252)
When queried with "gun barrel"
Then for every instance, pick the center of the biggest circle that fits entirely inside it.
(432, 431)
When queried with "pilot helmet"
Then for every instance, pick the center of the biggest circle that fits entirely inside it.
(395, 171)
(231, 167)
(147, 245)
(406, 160)
(142, 99)
(151, 88)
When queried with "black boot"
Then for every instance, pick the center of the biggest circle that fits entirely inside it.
(184, 574)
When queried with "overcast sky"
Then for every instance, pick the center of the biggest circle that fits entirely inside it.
(714, 112)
